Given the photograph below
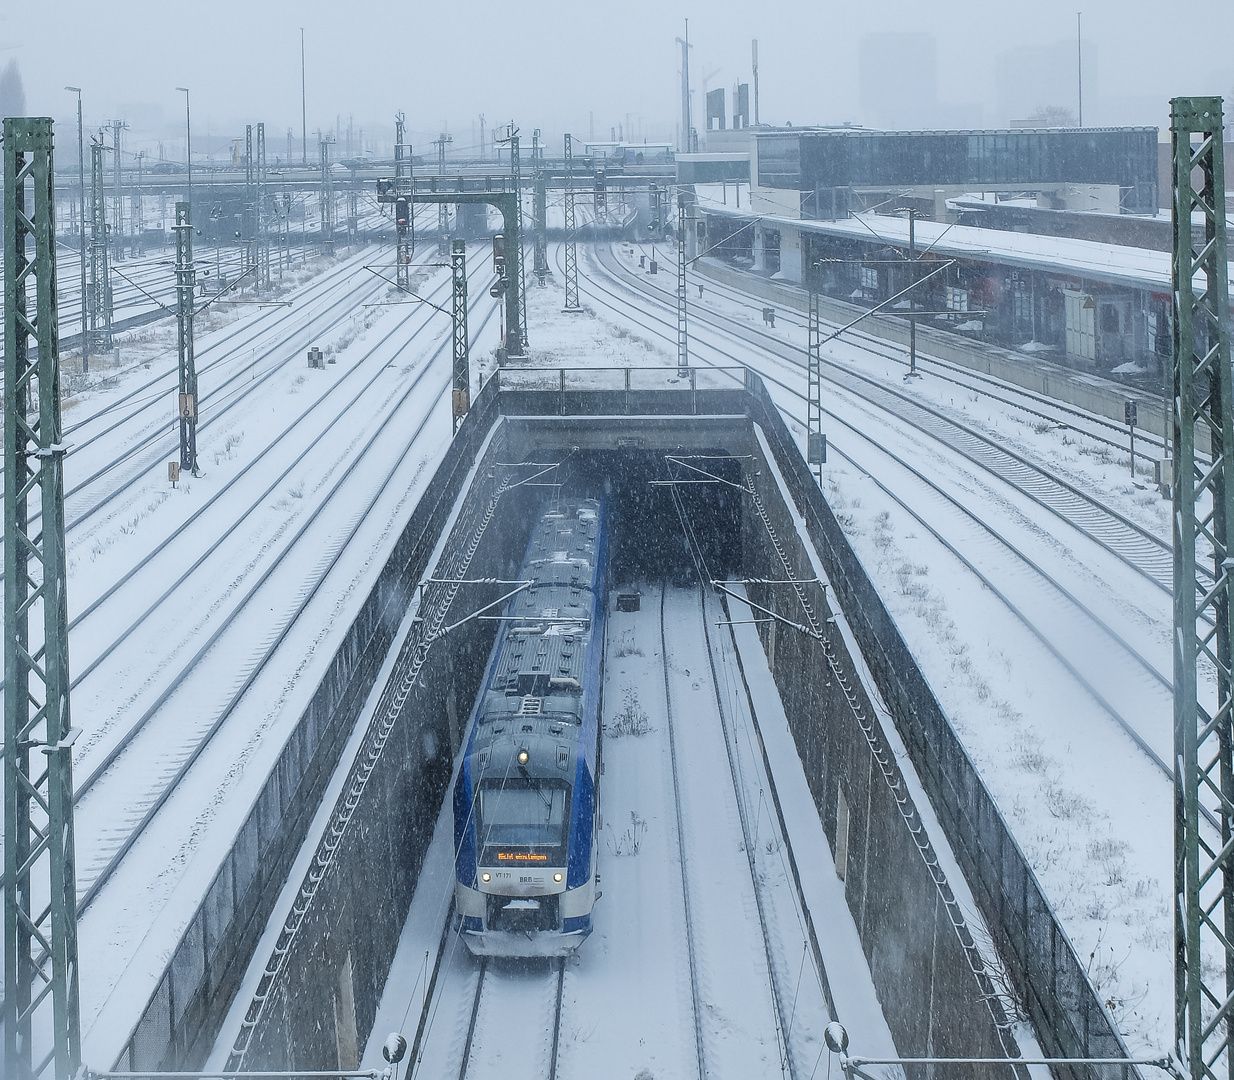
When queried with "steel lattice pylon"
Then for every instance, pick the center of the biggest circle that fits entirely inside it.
(403, 247)
(250, 203)
(572, 303)
(519, 277)
(460, 400)
(683, 337)
(40, 895)
(263, 245)
(99, 292)
(186, 282)
(814, 395)
(327, 199)
(541, 214)
(1203, 510)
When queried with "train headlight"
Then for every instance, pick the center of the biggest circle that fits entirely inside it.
(488, 877)
(523, 757)
(556, 877)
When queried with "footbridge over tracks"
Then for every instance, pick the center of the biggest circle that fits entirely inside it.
(304, 911)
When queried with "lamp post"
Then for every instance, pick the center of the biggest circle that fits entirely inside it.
(188, 144)
(303, 106)
(81, 217)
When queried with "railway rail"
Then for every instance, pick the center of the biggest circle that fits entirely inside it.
(634, 309)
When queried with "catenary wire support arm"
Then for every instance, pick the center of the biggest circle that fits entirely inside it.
(1203, 508)
(39, 855)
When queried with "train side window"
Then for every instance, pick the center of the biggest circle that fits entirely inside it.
(841, 834)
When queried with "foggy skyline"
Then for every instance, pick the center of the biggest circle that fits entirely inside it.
(556, 65)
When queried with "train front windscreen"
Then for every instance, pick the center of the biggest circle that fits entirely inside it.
(523, 821)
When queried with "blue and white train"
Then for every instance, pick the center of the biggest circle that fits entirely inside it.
(526, 806)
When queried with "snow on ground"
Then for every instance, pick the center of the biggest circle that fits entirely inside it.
(1098, 836)
(1092, 815)
(307, 479)
(627, 999)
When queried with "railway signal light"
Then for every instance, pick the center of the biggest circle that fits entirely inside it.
(401, 216)
(498, 288)
(499, 253)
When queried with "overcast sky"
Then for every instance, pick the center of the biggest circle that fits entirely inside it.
(555, 64)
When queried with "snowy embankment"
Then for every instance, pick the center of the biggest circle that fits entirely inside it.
(1091, 810)
(202, 615)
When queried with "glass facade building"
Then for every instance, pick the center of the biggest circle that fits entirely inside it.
(814, 161)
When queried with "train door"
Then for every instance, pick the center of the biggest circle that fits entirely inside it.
(1081, 324)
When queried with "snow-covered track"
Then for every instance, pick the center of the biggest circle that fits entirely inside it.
(1042, 626)
(515, 1020)
(141, 434)
(737, 970)
(141, 772)
(1033, 404)
(1142, 550)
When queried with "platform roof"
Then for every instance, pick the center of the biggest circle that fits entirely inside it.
(1137, 268)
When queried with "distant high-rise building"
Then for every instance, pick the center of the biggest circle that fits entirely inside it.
(1040, 77)
(897, 79)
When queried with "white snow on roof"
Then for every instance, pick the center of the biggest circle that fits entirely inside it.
(1131, 266)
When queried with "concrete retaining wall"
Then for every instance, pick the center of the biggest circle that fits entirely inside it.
(320, 1010)
(930, 979)
(1068, 1016)
(178, 1025)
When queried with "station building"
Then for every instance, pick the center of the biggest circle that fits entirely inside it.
(1047, 241)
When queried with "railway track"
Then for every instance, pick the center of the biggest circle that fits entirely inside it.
(515, 1023)
(1032, 404)
(1138, 547)
(149, 765)
(706, 927)
(1152, 742)
(117, 778)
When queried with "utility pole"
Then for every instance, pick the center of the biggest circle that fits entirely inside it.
(482, 156)
(683, 341)
(81, 215)
(460, 399)
(443, 213)
(353, 210)
(686, 144)
(40, 894)
(188, 140)
(186, 282)
(572, 304)
(1079, 69)
(754, 65)
(99, 292)
(327, 199)
(1203, 492)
